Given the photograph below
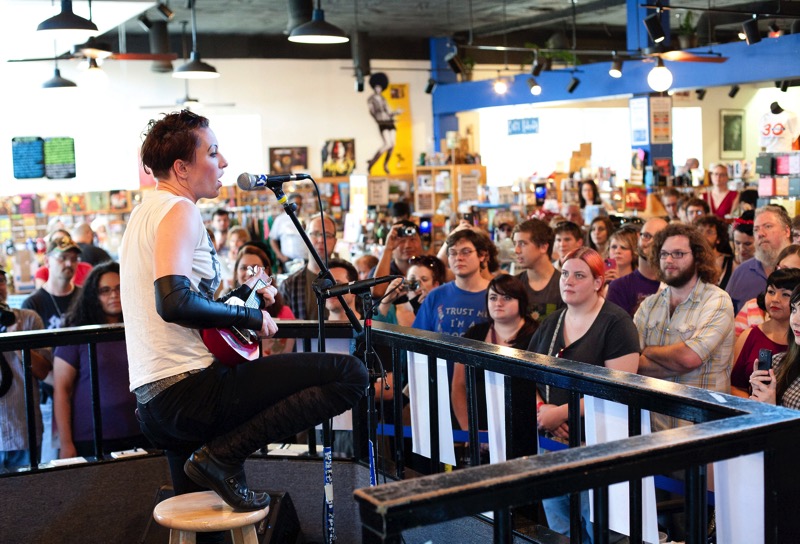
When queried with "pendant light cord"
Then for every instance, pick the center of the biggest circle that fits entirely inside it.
(194, 27)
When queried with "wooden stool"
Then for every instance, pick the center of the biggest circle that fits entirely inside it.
(204, 512)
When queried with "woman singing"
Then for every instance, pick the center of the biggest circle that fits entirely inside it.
(208, 417)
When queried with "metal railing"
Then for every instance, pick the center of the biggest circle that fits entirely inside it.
(725, 427)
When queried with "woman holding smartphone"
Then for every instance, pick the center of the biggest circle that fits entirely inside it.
(771, 334)
(781, 384)
(622, 258)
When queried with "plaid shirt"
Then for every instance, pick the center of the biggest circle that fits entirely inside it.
(704, 322)
(791, 397)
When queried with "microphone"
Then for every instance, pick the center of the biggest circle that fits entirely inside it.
(357, 287)
(254, 182)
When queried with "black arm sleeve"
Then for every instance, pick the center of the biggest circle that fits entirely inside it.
(177, 303)
(242, 292)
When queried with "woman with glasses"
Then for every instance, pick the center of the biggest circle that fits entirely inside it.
(207, 416)
(780, 385)
(771, 334)
(588, 330)
(97, 304)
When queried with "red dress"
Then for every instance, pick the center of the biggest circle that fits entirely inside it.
(727, 204)
(740, 375)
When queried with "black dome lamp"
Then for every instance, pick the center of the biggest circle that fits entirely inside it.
(317, 30)
(195, 68)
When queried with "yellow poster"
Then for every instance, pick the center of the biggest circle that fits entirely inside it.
(389, 106)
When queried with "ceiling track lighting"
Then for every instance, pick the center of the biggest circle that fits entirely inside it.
(359, 85)
(774, 30)
(659, 78)
(500, 85)
(573, 84)
(431, 86)
(195, 68)
(654, 28)
(616, 68)
(317, 30)
(701, 93)
(734, 90)
(750, 29)
(144, 22)
(785, 85)
(534, 86)
(165, 12)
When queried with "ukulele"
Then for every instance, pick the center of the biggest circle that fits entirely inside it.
(233, 346)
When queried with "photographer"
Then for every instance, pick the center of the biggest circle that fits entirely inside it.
(402, 244)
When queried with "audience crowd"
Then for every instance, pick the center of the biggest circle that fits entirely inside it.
(690, 297)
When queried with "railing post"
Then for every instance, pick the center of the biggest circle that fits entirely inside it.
(696, 505)
(30, 412)
(575, 432)
(472, 415)
(635, 485)
(433, 405)
(97, 416)
(397, 407)
(600, 495)
(502, 527)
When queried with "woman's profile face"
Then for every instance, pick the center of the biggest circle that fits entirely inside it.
(790, 261)
(744, 245)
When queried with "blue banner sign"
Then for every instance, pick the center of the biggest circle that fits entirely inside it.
(529, 125)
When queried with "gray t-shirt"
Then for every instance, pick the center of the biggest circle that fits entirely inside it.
(545, 302)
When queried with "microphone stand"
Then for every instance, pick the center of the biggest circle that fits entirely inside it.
(325, 280)
(369, 360)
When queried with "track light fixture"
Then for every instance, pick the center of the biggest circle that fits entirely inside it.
(774, 30)
(653, 25)
(144, 22)
(785, 85)
(537, 66)
(616, 68)
(534, 86)
(500, 85)
(659, 78)
(431, 86)
(573, 84)
(750, 29)
(317, 30)
(734, 90)
(164, 11)
(701, 93)
(455, 62)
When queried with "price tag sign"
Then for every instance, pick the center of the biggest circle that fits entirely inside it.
(377, 191)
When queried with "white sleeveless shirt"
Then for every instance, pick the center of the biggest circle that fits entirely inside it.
(157, 349)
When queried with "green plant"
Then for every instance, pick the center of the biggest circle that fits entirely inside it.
(687, 26)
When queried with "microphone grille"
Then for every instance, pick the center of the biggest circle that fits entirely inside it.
(245, 181)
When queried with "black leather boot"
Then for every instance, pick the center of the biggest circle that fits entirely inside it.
(228, 481)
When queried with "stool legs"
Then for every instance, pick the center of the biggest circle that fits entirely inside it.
(239, 535)
(176, 536)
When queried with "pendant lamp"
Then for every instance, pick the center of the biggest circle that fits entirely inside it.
(195, 68)
(58, 82)
(67, 20)
(317, 30)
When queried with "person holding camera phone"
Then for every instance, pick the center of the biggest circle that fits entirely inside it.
(402, 243)
(781, 384)
(772, 334)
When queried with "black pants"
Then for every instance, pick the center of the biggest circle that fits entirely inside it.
(232, 402)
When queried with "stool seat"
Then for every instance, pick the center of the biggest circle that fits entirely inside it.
(203, 512)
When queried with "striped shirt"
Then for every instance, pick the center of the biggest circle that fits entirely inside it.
(704, 322)
(791, 397)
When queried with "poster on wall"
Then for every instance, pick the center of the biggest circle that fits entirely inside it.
(288, 160)
(390, 108)
(731, 130)
(660, 120)
(640, 127)
(36, 157)
(339, 157)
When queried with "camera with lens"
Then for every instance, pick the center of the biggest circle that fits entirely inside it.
(406, 231)
(411, 285)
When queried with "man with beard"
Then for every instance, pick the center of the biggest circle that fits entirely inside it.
(402, 244)
(628, 291)
(772, 228)
(686, 329)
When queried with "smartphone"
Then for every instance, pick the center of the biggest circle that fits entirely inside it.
(764, 359)
(468, 218)
(610, 264)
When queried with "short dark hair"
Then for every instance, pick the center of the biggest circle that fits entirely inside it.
(704, 261)
(698, 202)
(568, 227)
(433, 263)
(220, 211)
(671, 191)
(540, 233)
(744, 223)
(352, 273)
(169, 139)
(721, 227)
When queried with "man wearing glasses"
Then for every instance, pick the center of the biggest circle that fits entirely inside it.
(628, 291)
(686, 329)
(297, 289)
(772, 229)
(286, 242)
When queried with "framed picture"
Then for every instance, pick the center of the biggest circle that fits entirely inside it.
(731, 134)
(288, 160)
